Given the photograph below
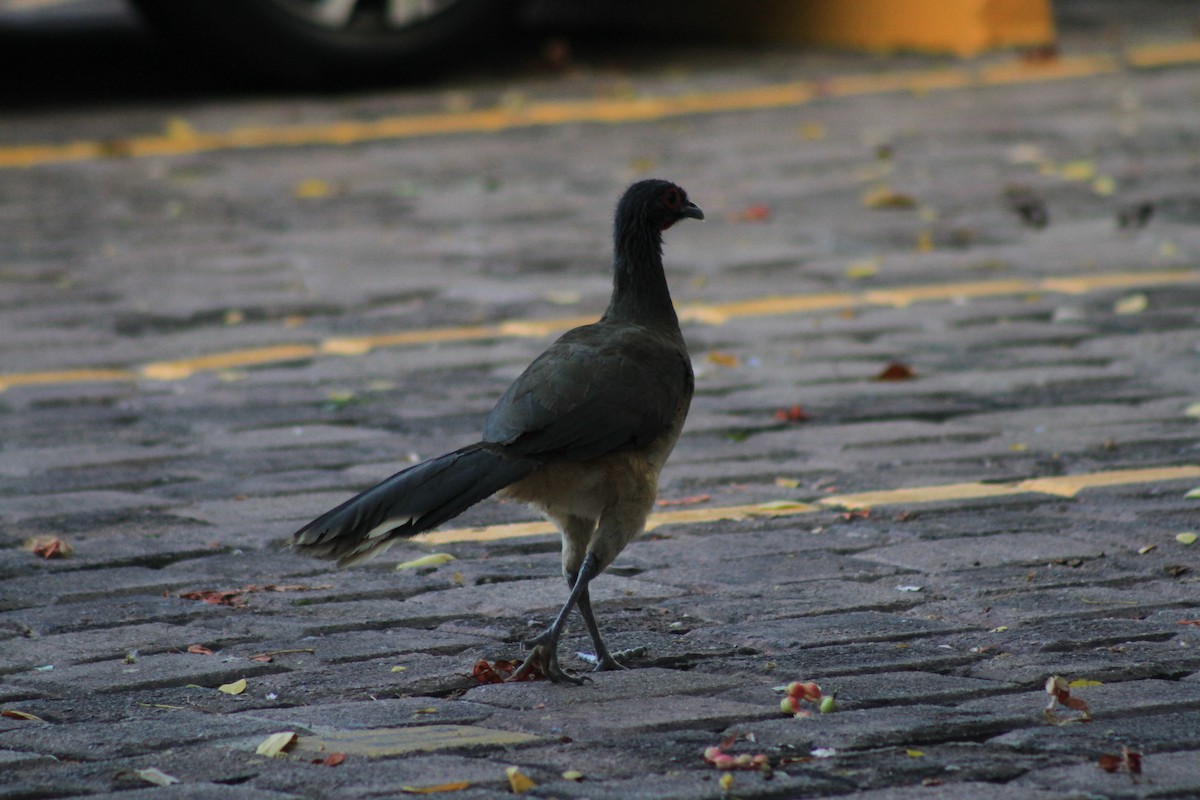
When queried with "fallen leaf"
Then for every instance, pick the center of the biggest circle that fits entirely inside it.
(47, 547)
(1175, 570)
(156, 776)
(331, 760)
(274, 745)
(1131, 304)
(787, 483)
(1060, 694)
(863, 269)
(1083, 683)
(1128, 760)
(795, 413)
(572, 775)
(1195, 622)
(518, 781)
(453, 786)
(312, 188)
(756, 212)
(780, 505)
(13, 713)
(1192, 494)
(914, 753)
(263, 658)
(217, 597)
(883, 196)
(726, 781)
(431, 560)
(1187, 537)
(896, 372)
(723, 359)
(199, 650)
(237, 687)
(1192, 410)
(1081, 170)
(1147, 549)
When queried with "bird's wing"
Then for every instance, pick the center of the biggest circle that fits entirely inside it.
(599, 388)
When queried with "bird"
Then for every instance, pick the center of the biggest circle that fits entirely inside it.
(581, 435)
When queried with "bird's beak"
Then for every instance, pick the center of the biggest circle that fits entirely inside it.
(692, 210)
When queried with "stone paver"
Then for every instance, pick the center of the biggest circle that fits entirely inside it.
(937, 623)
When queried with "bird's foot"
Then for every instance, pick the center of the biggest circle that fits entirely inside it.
(543, 661)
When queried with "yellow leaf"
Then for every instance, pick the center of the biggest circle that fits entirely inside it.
(431, 560)
(1131, 304)
(812, 131)
(787, 483)
(1083, 683)
(453, 786)
(1192, 411)
(399, 669)
(1104, 186)
(156, 776)
(883, 196)
(780, 505)
(312, 188)
(276, 743)
(237, 687)
(915, 753)
(13, 713)
(863, 269)
(999, 629)
(518, 781)
(726, 781)
(1018, 447)
(723, 359)
(1078, 170)
(1186, 537)
(572, 775)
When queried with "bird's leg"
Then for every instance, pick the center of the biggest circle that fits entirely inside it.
(545, 646)
(604, 659)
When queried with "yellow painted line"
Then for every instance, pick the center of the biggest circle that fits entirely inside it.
(180, 138)
(1164, 55)
(706, 314)
(234, 359)
(1071, 485)
(687, 516)
(924, 494)
(1062, 486)
(52, 377)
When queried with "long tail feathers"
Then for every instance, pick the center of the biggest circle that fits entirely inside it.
(414, 500)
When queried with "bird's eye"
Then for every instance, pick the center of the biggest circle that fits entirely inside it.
(670, 199)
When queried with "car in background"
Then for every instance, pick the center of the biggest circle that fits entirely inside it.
(327, 41)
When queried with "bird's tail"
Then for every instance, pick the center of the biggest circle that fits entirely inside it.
(414, 500)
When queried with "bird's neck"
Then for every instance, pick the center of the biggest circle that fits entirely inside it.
(640, 292)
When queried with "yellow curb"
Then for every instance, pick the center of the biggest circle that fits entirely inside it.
(1063, 486)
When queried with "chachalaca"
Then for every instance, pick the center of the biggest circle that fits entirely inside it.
(581, 435)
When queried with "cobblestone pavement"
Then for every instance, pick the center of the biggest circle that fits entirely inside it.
(205, 348)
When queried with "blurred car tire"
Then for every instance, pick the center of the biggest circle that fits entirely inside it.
(328, 41)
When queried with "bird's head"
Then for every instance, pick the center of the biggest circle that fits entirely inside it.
(657, 204)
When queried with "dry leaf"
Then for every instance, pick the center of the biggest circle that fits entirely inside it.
(896, 372)
(757, 212)
(431, 560)
(453, 786)
(13, 713)
(331, 760)
(312, 188)
(572, 775)
(274, 745)
(156, 776)
(47, 547)
(723, 359)
(1187, 537)
(518, 781)
(882, 196)
(1131, 304)
(1128, 760)
(1060, 694)
(237, 687)
(795, 413)
(199, 650)
(217, 597)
